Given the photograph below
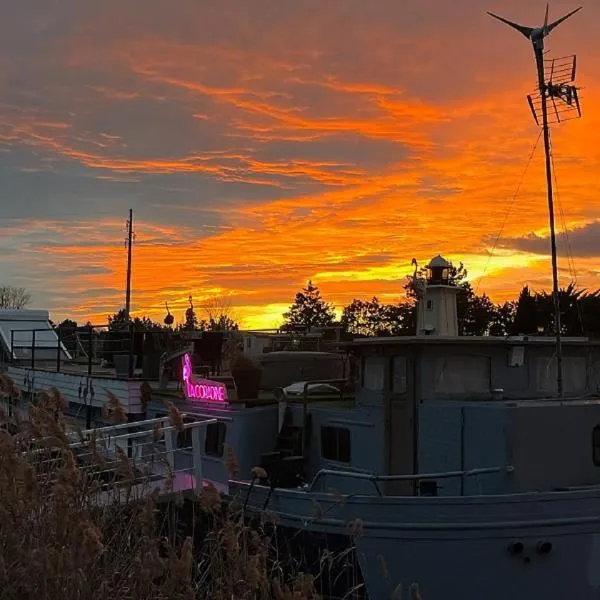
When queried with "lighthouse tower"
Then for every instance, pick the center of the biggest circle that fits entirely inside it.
(436, 309)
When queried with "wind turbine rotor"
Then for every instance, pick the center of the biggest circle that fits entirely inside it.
(536, 34)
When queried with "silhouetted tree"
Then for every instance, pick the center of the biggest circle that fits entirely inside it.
(362, 317)
(67, 332)
(371, 318)
(503, 319)
(571, 302)
(526, 319)
(476, 314)
(579, 312)
(14, 298)
(309, 310)
(220, 323)
(589, 313)
(120, 322)
(191, 320)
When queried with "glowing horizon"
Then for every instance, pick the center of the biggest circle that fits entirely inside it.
(263, 148)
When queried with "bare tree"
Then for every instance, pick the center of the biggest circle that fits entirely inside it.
(13, 297)
(220, 314)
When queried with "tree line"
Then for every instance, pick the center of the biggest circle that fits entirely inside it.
(531, 313)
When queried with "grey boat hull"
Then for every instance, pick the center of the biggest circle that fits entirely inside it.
(518, 547)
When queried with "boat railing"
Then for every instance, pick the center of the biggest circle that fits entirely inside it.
(150, 452)
(121, 350)
(376, 479)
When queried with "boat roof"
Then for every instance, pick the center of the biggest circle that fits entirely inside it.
(22, 323)
(434, 340)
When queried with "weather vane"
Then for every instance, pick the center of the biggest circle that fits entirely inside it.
(555, 82)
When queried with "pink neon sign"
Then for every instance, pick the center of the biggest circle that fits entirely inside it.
(202, 389)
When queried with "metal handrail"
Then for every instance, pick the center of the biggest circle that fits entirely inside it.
(375, 479)
(101, 433)
(127, 332)
(169, 440)
(108, 428)
(137, 434)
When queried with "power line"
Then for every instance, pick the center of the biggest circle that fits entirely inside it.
(570, 257)
(509, 210)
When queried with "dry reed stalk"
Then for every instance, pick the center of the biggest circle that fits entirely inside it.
(58, 540)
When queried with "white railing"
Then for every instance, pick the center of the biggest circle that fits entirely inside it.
(415, 478)
(150, 449)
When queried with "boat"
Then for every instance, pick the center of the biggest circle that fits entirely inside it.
(468, 466)
(458, 467)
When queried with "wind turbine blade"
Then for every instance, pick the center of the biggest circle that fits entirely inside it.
(526, 31)
(559, 21)
(546, 17)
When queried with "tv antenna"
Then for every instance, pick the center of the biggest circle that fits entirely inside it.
(555, 84)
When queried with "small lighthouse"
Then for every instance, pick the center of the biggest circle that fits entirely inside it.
(436, 309)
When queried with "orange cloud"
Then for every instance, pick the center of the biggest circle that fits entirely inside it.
(262, 150)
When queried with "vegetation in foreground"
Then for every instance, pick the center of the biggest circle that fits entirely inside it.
(58, 541)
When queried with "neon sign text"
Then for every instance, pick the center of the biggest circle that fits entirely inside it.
(202, 389)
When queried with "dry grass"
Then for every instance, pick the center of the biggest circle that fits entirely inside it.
(58, 542)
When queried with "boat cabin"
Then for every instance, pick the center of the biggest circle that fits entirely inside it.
(443, 414)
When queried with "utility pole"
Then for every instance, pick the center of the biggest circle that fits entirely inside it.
(564, 71)
(129, 244)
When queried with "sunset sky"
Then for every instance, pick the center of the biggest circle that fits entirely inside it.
(264, 143)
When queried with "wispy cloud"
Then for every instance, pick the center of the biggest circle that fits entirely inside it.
(261, 145)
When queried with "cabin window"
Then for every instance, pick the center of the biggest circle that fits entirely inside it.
(398, 375)
(374, 373)
(335, 443)
(462, 374)
(574, 370)
(596, 445)
(184, 438)
(215, 439)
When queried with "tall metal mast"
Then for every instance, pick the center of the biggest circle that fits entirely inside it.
(129, 243)
(567, 94)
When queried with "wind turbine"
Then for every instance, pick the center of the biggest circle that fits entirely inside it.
(537, 34)
(567, 93)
